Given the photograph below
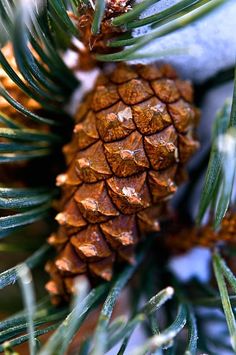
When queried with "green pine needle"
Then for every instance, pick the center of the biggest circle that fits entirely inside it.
(193, 332)
(148, 310)
(56, 340)
(165, 338)
(100, 334)
(10, 276)
(220, 175)
(98, 16)
(125, 19)
(20, 203)
(138, 43)
(25, 281)
(229, 314)
(171, 13)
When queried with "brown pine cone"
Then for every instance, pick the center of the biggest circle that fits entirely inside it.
(133, 136)
(185, 239)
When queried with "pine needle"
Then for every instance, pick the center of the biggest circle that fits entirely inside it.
(229, 314)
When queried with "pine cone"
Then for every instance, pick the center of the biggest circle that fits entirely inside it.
(184, 239)
(13, 89)
(133, 136)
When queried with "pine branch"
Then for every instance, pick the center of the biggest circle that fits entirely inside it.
(56, 341)
(14, 330)
(45, 78)
(138, 43)
(164, 338)
(44, 72)
(169, 20)
(148, 310)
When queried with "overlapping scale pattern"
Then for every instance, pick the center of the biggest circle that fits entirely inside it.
(132, 137)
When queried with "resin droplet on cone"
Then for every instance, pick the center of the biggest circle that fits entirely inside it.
(132, 138)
